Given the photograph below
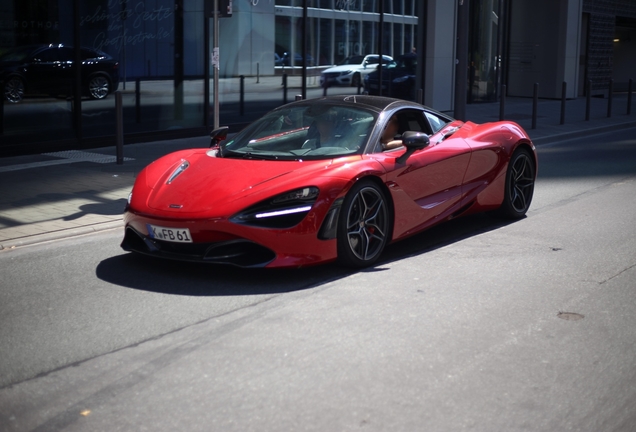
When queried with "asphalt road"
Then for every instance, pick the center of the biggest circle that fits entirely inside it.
(474, 325)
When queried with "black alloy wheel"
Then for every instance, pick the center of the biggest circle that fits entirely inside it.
(14, 89)
(520, 178)
(365, 225)
(355, 80)
(98, 87)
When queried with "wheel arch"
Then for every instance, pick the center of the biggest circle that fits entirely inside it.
(101, 74)
(530, 148)
(387, 194)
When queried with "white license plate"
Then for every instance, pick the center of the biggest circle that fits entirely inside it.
(177, 235)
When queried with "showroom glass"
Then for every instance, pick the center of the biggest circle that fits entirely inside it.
(158, 94)
(161, 66)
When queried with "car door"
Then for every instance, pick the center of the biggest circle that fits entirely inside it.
(428, 186)
(49, 73)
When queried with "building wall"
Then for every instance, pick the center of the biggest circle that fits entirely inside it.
(605, 59)
(246, 42)
(544, 47)
(439, 72)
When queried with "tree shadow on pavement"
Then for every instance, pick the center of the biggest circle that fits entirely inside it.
(105, 208)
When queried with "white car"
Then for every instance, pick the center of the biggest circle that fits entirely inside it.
(351, 71)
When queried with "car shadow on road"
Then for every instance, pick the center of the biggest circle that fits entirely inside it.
(199, 279)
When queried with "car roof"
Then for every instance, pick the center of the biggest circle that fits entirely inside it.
(373, 103)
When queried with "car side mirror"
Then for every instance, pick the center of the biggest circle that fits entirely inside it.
(218, 135)
(413, 141)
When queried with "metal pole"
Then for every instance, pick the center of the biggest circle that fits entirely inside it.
(304, 51)
(138, 100)
(284, 88)
(535, 102)
(380, 54)
(119, 128)
(629, 97)
(215, 44)
(206, 64)
(502, 102)
(461, 65)
(610, 95)
(588, 100)
(242, 96)
(2, 111)
(564, 88)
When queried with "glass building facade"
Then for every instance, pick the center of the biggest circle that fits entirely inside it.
(160, 53)
(62, 62)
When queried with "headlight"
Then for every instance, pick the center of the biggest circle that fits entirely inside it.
(283, 211)
(127, 206)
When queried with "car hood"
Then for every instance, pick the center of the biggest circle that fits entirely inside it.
(195, 182)
(344, 68)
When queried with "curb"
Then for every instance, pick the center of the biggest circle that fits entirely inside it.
(60, 234)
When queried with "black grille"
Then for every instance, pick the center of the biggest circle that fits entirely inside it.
(241, 253)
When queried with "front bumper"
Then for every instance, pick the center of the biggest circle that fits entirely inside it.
(239, 252)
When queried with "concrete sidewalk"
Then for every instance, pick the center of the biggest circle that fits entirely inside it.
(57, 195)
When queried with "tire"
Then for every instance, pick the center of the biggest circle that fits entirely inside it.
(355, 80)
(520, 178)
(14, 89)
(98, 87)
(364, 225)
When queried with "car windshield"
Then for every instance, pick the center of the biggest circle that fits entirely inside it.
(303, 131)
(16, 54)
(352, 60)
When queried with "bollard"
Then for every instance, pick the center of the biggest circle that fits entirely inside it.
(242, 96)
(588, 100)
(535, 102)
(299, 97)
(629, 97)
(325, 85)
(284, 88)
(564, 88)
(609, 98)
(138, 100)
(258, 73)
(502, 102)
(2, 111)
(119, 128)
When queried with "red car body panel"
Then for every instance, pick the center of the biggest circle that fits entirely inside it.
(455, 175)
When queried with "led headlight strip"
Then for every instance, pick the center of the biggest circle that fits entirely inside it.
(282, 212)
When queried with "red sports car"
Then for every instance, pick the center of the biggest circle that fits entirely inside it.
(336, 178)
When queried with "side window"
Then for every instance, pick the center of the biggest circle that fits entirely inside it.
(413, 120)
(88, 54)
(47, 56)
(436, 122)
(66, 54)
(401, 121)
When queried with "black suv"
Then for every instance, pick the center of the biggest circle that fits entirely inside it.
(48, 70)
